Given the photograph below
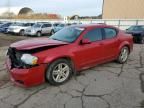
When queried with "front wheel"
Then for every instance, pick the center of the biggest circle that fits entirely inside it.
(59, 72)
(52, 32)
(38, 34)
(22, 33)
(123, 56)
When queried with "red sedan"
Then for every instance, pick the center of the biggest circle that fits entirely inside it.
(55, 59)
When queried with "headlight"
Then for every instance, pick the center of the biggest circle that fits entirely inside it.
(29, 59)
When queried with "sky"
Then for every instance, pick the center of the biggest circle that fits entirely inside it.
(62, 7)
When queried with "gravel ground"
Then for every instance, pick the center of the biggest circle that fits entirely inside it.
(110, 85)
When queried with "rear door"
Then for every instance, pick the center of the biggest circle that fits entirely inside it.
(111, 43)
(49, 28)
(44, 29)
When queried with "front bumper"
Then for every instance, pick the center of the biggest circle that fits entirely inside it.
(14, 31)
(27, 77)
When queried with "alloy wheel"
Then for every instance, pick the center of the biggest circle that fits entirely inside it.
(124, 54)
(60, 72)
(38, 34)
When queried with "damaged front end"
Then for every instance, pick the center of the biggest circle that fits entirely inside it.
(28, 72)
(23, 74)
(15, 57)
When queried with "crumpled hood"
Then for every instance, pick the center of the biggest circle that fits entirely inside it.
(36, 43)
(14, 27)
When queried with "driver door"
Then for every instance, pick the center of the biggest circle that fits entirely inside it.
(91, 53)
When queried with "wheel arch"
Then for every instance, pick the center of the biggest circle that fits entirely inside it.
(123, 45)
(38, 31)
(22, 30)
(48, 62)
(69, 58)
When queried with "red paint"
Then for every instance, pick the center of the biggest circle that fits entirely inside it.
(35, 43)
(82, 56)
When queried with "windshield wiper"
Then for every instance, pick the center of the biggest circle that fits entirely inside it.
(55, 39)
(59, 40)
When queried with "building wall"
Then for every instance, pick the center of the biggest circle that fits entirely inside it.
(123, 9)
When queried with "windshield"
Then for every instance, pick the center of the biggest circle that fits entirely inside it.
(136, 28)
(69, 34)
(26, 24)
(18, 24)
(61, 25)
(37, 25)
(6, 25)
(56, 24)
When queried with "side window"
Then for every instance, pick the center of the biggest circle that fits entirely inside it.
(48, 25)
(44, 26)
(110, 33)
(94, 35)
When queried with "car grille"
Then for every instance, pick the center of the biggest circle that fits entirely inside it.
(15, 57)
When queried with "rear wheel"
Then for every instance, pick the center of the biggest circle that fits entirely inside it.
(52, 32)
(59, 72)
(38, 34)
(123, 56)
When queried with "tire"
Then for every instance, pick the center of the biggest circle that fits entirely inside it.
(142, 40)
(55, 75)
(123, 56)
(21, 33)
(52, 32)
(38, 34)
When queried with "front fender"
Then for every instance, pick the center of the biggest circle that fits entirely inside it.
(49, 60)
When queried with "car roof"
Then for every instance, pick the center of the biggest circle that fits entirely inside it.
(92, 25)
(138, 25)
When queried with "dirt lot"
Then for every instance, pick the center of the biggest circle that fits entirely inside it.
(110, 85)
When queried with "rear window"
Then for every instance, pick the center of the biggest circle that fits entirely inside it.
(110, 33)
(94, 35)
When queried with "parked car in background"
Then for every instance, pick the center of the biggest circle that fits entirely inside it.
(137, 33)
(19, 28)
(59, 27)
(74, 48)
(4, 27)
(56, 24)
(1, 22)
(40, 29)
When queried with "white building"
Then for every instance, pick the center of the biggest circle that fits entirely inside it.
(15, 10)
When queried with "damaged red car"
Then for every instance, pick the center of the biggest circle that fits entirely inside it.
(67, 52)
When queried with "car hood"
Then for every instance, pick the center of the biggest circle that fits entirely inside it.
(134, 32)
(18, 27)
(36, 43)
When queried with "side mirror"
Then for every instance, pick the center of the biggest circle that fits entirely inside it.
(85, 41)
